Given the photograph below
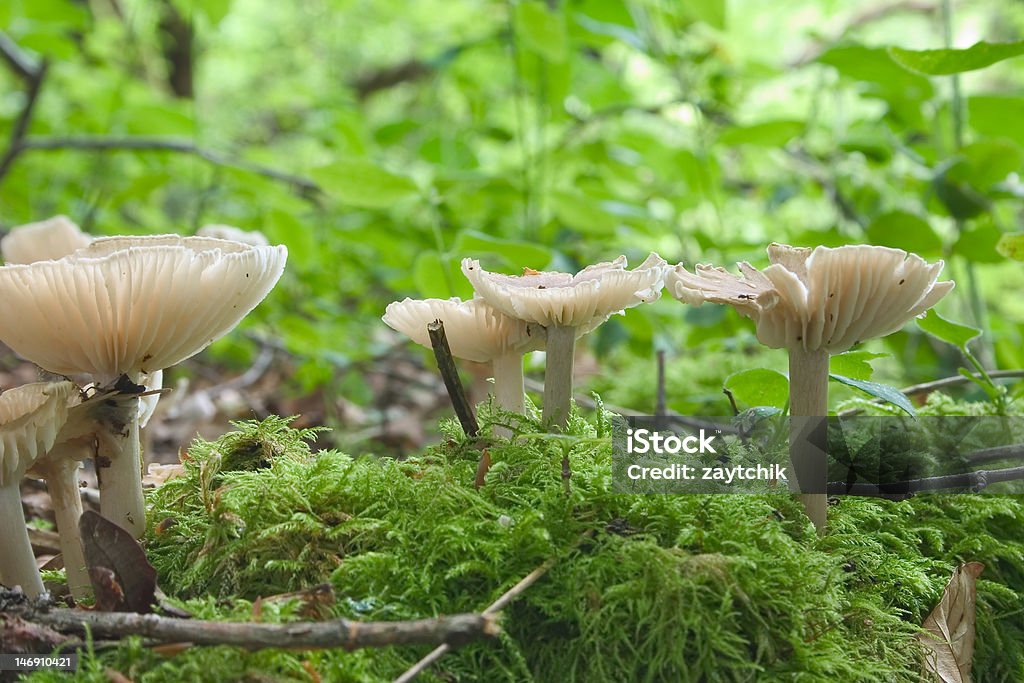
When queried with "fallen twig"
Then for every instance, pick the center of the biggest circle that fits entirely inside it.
(976, 480)
(450, 375)
(340, 633)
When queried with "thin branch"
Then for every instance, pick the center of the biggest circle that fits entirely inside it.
(147, 144)
(457, 629)
(16, 59)
(450, 375)
(958, 379)
(976, 480)
(496, 606)
(15, 147)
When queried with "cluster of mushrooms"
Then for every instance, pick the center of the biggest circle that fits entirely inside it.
(107, 315)
(812, 302)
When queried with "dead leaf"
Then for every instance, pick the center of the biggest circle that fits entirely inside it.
(949, 641)
(109, 547)
(157, 474)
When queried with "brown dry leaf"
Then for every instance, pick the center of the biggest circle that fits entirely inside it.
(949, 641)
(157, 474)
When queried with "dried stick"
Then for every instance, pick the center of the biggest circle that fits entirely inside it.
(340, 633)
(492, 609)
(974, 480)
(450, 375)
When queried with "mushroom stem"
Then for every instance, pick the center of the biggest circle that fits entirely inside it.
(508, 386)
(119, 466)
(808, 397)
(17, 561)
(61, 474)
(561, 345)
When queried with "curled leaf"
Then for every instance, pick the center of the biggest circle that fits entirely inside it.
(949, 637)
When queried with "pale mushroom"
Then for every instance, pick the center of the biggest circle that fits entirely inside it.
(46, 240)
(567, 306)
(476, 332)
(31, 417)
(815, 303)
(124, 307)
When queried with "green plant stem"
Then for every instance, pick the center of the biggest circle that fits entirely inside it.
(561, 346)
(808, 397)
(17, 561)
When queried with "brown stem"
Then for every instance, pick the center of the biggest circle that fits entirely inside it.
(450, 375)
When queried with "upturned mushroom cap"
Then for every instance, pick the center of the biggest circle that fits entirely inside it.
(31, 416)
(475, 330)
(822, 298)
(128, 305)
(585, 299)
(46, 240)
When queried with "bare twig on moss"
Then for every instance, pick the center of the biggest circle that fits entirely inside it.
(492, 609)
(976, 480)
(454, 630)
(305, 186)
(450, 375)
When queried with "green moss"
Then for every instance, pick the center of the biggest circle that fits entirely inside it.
(675, 588)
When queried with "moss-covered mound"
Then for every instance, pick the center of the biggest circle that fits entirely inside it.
(657, 588)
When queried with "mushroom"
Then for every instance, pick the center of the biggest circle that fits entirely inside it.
(815, 303)
(124, 307)
(476, 332)
(43, 241)
(567, 306)
(30, 418)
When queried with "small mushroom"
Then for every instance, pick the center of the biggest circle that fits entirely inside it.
(815, 303)
(31, 417)
(46, 240)
(567, 306)
(475, 332)
(123, 307)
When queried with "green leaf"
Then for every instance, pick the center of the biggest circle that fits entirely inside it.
(711, 12)
(906, 231)
(950, 61)
(1011, 245)
(759, 387)
(516, 252)
(948, 331)
(874, 65)
(541, 30)
(997, 116)
(767, 133)
(362, 183)
(953, 185)
(883, 391)
(854, 364)
(282, 227)
(433, 275)
(979, 243)
(582, 213)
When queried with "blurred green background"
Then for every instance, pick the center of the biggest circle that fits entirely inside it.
(384, 140)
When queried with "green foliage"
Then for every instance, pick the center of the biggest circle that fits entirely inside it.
(949, 61)
(645, 587)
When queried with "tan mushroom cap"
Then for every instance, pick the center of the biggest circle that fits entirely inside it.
(821, 298)
(46, 240)
(585, 299)
(31, 416)
(475, 330)
(128, 305)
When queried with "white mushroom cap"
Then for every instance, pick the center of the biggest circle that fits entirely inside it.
(475, 330)
(822, 298)
(53, 238)
(585, 299)
(128, 305)
(31, 416)
(230, 232)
